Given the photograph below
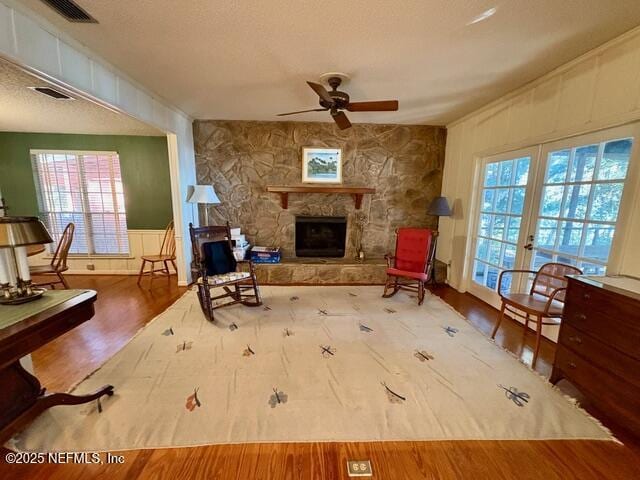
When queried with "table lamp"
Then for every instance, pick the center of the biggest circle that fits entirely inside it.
(16, 233)
(206, 195)
(439, 207)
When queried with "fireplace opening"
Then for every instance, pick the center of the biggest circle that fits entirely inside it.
(320, 236)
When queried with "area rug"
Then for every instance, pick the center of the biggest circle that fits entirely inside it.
(312, 364)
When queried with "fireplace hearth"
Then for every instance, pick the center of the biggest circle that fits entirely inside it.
(320, 236)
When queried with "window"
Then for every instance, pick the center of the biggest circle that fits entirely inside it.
(84, 188)
(581, 196)
(501, 209)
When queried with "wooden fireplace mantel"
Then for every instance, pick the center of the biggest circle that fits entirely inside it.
(284, 192)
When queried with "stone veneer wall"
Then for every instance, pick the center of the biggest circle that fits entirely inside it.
(241, 158)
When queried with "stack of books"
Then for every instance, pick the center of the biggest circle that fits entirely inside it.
(265, 254)
(240, 244)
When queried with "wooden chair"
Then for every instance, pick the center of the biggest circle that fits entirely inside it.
(410, 268)
(215, 266)
(545, 300)
(58, 262)
(167, 254)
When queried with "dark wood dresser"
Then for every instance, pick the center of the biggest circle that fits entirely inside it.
(599, 345)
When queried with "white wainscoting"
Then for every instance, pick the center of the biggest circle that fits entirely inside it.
(141, 242)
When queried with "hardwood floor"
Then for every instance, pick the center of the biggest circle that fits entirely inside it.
(123, 308)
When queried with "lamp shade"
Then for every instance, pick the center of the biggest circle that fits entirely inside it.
(439, 207)
(22, 231)
(204, 194)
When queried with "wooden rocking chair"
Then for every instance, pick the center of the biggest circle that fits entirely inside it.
(411, 267)
(215, 266)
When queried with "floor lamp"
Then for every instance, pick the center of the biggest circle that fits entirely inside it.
(205, 195)
(439, 207)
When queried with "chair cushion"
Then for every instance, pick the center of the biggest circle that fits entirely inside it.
(404, 273)
(218, 258)
(412, 249)
(225, 277)
(534, 303)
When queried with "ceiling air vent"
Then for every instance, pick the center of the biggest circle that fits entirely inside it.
(71, 11)
(58, 95)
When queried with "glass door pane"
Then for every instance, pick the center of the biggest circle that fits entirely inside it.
(502, 203)
(579, 203)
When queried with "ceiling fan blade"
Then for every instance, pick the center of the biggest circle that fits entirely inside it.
(381, 106)
(321, 92)
(303, 111)
(341, 120)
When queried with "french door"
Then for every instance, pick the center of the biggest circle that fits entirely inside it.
(504, 207)
(557, 202)
(580, 193)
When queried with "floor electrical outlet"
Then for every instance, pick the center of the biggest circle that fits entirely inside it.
(359, 468)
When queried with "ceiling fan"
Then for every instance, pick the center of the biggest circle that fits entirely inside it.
(334, 101)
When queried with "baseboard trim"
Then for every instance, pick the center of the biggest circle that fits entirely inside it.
(104, 272)
(101, 272)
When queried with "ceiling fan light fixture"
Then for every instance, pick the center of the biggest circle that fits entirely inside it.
(324, 78)
(335, 101)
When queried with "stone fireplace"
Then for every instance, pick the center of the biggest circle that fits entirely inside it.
(403, 163)
(320, 236)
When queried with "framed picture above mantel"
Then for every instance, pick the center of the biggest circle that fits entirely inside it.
(321, 165)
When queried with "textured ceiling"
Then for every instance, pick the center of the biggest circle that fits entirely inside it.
(249, 60)
(24, 110)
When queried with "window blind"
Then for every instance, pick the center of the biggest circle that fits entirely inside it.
(84, 188)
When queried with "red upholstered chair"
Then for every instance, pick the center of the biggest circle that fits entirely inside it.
(411, 267)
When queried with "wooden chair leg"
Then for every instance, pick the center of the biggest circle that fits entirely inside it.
(387, 286)
(420, 293)
(538, 337)
(152, 274)
(256, 290)
(144, 262)
(209, 302)
(63, 280)
(500, 318)
(175, 267)
(526, 323)
(256, 293)
(205, 304)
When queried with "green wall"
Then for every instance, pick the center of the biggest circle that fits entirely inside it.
(144, 164)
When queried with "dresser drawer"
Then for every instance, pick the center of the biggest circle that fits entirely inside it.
(606, 391)
(600, 354)
(609, 319)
